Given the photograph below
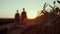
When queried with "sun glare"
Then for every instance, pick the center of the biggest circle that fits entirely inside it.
(31, 15)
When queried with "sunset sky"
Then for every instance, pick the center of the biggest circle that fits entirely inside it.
(8, 7)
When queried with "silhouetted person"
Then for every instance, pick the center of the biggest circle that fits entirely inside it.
(17, 17)
(23, 14)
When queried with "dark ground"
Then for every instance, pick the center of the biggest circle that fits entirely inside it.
(4, 21)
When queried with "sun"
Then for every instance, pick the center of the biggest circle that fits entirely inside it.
(31, 15)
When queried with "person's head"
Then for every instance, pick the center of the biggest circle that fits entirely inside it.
(17, 11)
(23, 9)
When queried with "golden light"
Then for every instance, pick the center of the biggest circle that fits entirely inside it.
(31, 15)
